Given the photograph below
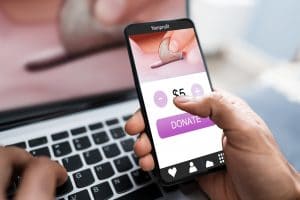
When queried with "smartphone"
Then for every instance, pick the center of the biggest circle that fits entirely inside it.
(167, 61)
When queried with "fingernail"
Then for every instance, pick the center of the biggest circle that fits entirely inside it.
(173, 46)
(184, 99)
(109, 11)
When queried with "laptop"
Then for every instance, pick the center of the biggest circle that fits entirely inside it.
(72, 109)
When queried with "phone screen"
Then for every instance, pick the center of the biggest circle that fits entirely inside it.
(168, 62)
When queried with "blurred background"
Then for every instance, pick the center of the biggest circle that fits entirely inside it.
(252, 49)
(56, 50)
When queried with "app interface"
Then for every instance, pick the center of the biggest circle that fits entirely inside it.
(170, 64)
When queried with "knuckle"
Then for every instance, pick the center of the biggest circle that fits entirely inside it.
(217, 99)
(16, 149)
(216, 96)
(137, 149)
(11, 152)
(41, 162)
(248, 128)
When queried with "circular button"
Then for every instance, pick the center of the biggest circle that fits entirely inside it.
(160, 99)
(197, 90)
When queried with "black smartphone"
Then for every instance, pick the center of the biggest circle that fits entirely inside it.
(167, 61)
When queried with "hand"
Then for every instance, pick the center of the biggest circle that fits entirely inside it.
(40, 176)
(256, 169)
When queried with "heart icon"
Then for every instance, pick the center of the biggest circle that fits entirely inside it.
(172, 171)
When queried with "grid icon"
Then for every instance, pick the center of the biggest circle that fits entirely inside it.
(221, 158)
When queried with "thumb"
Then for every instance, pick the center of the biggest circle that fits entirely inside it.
(228, 112)
(114, 12)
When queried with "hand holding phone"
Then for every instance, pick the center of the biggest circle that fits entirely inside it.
(184, 145)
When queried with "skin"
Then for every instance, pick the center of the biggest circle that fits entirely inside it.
(256, 169)
(249, 146)
(40, 176)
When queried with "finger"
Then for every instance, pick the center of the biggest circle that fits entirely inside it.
(180, 39)
(228, 112)
(142, 146)
(135, 124)
(119, 11)
(40, 179)
(147, 162)
(11, 159)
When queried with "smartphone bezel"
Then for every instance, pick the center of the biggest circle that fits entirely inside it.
(142, 28)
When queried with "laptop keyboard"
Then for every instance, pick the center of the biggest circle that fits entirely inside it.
(100, 162)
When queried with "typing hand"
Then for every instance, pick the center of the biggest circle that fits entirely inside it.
(256, 169)
(40, 176)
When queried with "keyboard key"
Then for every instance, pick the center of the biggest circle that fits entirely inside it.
(111, 150)
(19, 144)
(59, 136)
(135, 158)
(61, 149)
(149, 192)
(100, 137)
(83, 178)
(122, 184)
(96, 126)
(123, 164)
(127, 117)
(102, 191)
(77, 131)
(140, 177)
(127, 144)
(117, 132)
(67, 187)
(72, 163)
(41, 152)
(82, 143)
(92, 157)
(104, 171)
(37, 141)
(83, 195)
(112, 122)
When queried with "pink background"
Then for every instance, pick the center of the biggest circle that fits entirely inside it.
(90, 75)
(21, 43)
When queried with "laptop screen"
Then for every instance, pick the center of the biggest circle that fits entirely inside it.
(57, 50)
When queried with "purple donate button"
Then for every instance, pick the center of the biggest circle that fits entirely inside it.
(179, 124)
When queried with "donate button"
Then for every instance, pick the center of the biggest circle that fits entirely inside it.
(179, 124)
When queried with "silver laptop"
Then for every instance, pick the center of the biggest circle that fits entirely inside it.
(72, 109)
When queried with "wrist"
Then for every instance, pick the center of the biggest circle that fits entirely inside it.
(297, 186)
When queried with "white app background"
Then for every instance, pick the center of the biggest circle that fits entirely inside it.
(186, 146)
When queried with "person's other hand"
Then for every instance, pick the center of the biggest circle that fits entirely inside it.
(40, 176)
(116, 12)
(256, 169)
